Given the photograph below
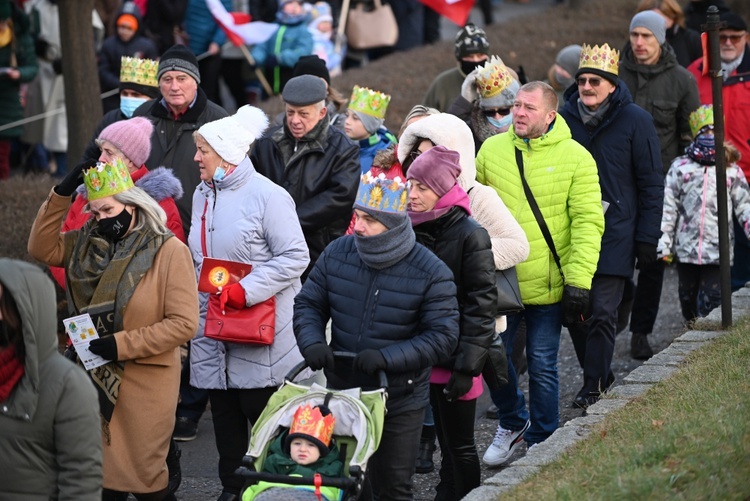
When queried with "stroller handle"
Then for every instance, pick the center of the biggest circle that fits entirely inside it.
(297, 369)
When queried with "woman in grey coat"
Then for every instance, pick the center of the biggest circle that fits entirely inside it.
(48, 406)
(240, 215)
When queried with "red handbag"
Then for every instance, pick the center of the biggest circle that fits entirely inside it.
(255, 324)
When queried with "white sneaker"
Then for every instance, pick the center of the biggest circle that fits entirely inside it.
(503, 445)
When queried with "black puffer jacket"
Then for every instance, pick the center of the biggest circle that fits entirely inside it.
(462, 244)
(407, 311)
(320, 171)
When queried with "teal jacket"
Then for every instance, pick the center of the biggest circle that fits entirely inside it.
(563, 177)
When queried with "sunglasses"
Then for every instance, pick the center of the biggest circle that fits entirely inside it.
(732, 38)
(491, 112)
(594, 82)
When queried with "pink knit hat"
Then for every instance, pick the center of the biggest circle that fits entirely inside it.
(438, 168)
(132, 137)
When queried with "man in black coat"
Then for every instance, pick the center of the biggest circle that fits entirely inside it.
(393, 303)
(316, 163)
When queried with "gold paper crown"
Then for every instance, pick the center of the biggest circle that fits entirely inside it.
(382, 194)
(493, 78)
(139, 71)
(107, 179)
(370, 102)
(601, 58)
(701, 118)
(309, 421)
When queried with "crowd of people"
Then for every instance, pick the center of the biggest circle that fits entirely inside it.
(383, 245)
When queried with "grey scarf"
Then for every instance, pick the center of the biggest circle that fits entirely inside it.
(592, 119)
(388, 248)
(728, 68)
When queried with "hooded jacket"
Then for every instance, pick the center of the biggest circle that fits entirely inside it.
(21, 49)
(626, 149)
(49, 426)
(564, 180)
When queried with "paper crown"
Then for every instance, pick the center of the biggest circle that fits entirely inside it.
(493, 78)
(602, 58)
(139, 71)
(701, 119)
(107, 179)
(370, 102)
(310, 421)
(382, 194)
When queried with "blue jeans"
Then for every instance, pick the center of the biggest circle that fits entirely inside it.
(543, 327)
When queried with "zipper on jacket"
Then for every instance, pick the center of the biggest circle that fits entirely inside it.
(703, 214)
(372, 299)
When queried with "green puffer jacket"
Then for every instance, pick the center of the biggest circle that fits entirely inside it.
(20, 55)
(563, 177)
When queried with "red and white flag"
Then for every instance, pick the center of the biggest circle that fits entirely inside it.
(239, 27)
(455, 10)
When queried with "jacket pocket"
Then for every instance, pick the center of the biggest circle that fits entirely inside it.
(664, 114)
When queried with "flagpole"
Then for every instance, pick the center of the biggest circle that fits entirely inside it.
(342, 25)
(258, 71)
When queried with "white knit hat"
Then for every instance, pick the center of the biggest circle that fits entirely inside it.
(232, 136)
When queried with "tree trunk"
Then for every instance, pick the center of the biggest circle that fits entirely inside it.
(83, 106)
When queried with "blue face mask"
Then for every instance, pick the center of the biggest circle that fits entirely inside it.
(129, 104)
(219, 173)
(503, 122)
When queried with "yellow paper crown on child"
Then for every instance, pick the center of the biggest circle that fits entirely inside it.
(493, 78)
(382, 194)
(107, 179)
(602, 58)
(310, 422)
(701, 118)
(368, 101)
(139, 71)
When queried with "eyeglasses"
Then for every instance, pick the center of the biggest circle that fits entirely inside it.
(593, 81)
(491, 112)
(731, 38)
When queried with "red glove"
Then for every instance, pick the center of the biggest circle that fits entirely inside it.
(234, 296)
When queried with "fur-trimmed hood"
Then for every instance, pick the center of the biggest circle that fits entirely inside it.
(159, 184)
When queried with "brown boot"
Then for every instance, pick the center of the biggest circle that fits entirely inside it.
(639, 347)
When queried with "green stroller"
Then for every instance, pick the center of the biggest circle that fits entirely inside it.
(359, 426)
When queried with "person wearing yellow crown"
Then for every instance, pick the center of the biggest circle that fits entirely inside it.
(137, 282)
(690, 224)
(622, 138)
(305, 449)
(364, 124)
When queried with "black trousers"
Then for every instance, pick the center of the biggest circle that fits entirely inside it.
(594, 341)
(699, 289)
(647, 297)
(193, 400)
(234, 411)
(162, 495)
(459, 466)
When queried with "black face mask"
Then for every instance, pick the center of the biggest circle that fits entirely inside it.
(114, 228)
(469, 66)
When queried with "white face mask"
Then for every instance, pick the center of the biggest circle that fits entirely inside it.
(503, 122)
(129, 104)
(219, 173)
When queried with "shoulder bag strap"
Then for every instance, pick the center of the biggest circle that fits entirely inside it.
(538, 214)
(203, 229)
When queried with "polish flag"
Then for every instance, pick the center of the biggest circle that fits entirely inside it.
(455, 10)
(238, 26)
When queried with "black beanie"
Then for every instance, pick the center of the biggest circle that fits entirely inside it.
(312, 65)
(179, 58)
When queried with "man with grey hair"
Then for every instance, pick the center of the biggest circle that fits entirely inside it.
(316, 163)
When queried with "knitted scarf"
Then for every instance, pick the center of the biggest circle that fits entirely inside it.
(388, 248)
(11, 371)
(102, 277)
(456, 197)
(592, 119)
(702, 149)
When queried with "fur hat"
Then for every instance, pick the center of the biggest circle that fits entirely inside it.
(231, 137)
(438, 168)
(179, 58)
(132, 137)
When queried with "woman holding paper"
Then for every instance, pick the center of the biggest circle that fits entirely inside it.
(240, 215)
(136, 282)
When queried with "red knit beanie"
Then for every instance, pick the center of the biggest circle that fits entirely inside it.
(132, 137)
(437, 168)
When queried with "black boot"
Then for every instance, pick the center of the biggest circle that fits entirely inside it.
(173, 466)
(426, 450)
(639, 347)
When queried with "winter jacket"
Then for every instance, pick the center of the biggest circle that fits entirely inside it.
(695, 12)
(668, 92)
(370, 146)
(462, 244)
(172, 143)
(408, 311)
(49, 425)
(444, 89)
(564, 180)
(251, 220)
(626, 149)
(201, 27)
(690, 223)
(160, 20)
(18, 54)
(321, 172)
(160, 184)
(286, 45)
(162, 314)
(686, 44)
(736, 93)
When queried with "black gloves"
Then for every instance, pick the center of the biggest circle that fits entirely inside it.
(73, 179)
(57, 66)
(645, 253)
(40, 47)
(575, 304)
(105, 347)
(458, 385)
(369, 361)
(319, 356)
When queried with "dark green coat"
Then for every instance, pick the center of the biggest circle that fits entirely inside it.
(22, 47)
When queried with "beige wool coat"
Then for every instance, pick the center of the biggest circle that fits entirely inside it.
(161, 315)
